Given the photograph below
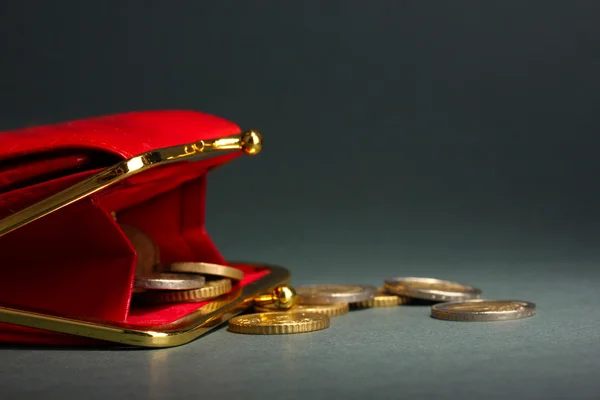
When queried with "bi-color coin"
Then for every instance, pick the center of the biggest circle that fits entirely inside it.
(210, 290)
(431, 289)
(162, 281)
(329, 294)
(203, 268)
(483, 310)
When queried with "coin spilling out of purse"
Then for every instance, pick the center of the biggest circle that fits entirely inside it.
(308, 308)
(157, 283)
(449, 301)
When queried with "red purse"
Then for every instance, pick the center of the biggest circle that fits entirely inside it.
(68, 268)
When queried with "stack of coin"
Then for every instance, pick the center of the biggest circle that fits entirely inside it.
(312, 310)
(354, 296)
(458, 302)
(157, 283)
(186, 282)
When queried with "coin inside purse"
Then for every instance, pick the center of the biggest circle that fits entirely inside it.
(77, 261)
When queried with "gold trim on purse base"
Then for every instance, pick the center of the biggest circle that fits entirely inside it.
(179, 332)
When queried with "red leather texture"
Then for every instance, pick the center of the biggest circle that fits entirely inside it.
(77, 261)
(125, 135)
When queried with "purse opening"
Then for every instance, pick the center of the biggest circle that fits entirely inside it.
(80, 260)
(28, 170)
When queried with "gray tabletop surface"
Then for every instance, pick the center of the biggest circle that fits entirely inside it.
(379, 353)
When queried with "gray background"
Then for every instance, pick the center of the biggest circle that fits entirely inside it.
(447, 139)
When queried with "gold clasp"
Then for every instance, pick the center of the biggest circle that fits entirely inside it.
(249, 142)
(282, 297)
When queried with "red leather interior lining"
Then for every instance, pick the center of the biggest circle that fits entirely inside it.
(16, 200)
(26, 172)
(75, 261)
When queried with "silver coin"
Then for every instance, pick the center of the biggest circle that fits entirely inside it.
(330, 294)
(204, 269)
(483, 310)
(431, 289)
(163, 281)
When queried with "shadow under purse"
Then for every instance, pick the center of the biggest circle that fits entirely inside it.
(67, 192)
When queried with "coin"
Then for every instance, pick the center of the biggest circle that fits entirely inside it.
(162, 281)
(328, 294)
(146, 250)
(483, 310)
(204, 269)
(210, 290)
(278, 323)
(331, 310)
(431, 289)
(382, 299)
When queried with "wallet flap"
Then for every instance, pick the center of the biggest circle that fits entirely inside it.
(124, 135)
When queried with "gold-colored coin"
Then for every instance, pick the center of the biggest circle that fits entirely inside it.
(211, 290)
(278, 323)
(483, 310)
(382, 299)
(431, 289)
(146, 250)
(331, 310)
(204, 269)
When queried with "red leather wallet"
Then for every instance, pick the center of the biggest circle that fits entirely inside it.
(67, 268)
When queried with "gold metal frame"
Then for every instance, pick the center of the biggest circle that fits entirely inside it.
(250, 142)
(179, 332)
